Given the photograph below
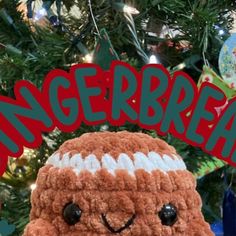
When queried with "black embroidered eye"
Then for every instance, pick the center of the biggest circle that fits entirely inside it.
(168, 214)
(72, 213)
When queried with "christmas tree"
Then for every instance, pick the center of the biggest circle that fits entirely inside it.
(38, 36)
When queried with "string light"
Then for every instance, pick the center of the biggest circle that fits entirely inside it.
(130, 10)
(153, 60)
(33, 187)
(181, 66)
(88, 58)
(41, 13)
(124, 8)
(104, 127)
(220, 30)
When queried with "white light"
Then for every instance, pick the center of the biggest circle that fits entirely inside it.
(153, 60)
(181, 66)
(41, 13)
(88, 58)
(104, 128)
(33, 187)
(221, 32)
(130, 10)
(36, 18)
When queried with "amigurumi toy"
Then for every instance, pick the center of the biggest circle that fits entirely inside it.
(116, 184)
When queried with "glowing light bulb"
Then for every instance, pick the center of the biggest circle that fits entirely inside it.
(221, 32)
(33, 187)
(36, 18)
(88, 58)
(104, 128)
(130, 10)
(181, 66)
(153, 60)
(42, 12)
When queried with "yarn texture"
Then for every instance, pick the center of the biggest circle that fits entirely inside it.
(119, 182)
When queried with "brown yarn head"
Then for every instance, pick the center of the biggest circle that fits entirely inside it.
(106, 204)
(113, 143)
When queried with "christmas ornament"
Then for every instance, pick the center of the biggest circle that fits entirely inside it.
(20, 167)
(217, 228)
(208, 75)
(104, 52)
(227, 61)
(208, 166)
(5, 228)
(108, 183)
